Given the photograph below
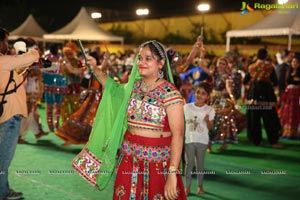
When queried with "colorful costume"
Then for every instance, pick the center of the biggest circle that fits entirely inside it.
(55, 86)
(97, 161)
(33, 88)
(261, 102)
(290, 108)
(77, 128)
(228, 120)
(148, 155)
(70, 100)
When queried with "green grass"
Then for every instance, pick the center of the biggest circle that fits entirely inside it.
(42, 170)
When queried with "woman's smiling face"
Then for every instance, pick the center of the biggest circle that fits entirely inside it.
(221, 65)
(295, 63)
(148, 63)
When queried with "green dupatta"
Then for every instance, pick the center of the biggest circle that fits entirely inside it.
(96, 162)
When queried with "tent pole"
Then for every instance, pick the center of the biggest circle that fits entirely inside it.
(227, 44)
(290, 41)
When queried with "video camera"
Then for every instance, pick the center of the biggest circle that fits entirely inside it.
(20, 47)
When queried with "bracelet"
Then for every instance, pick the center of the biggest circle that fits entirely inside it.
(173, 170)
(196, 46)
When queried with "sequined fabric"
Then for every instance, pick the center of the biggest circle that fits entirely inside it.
(147, 110)
(143, 176)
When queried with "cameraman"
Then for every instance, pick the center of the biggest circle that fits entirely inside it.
(13, 105)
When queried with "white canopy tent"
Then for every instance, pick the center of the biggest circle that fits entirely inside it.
(275, 24)
(29, 28)
(82, 27)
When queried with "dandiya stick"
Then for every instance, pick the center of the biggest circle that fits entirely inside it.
(86, 60)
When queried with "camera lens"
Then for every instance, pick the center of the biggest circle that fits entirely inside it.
(45, 63)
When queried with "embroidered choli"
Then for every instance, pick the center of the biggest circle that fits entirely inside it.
(220, 81)
(147, 110)
(219, 96)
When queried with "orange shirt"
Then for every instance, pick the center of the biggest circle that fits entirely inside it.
(16, 102)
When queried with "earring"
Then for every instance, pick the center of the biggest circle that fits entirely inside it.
(160, 74)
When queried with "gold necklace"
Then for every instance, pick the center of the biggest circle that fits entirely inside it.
(146, 87)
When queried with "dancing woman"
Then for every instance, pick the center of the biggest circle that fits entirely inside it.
(227, 117)
(146, 123)
(290, 111)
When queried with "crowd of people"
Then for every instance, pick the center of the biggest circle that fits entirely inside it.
(148, 107)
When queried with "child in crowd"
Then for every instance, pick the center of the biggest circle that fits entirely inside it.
(199, 119)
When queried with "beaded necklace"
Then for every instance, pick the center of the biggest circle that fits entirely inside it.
(146, 87)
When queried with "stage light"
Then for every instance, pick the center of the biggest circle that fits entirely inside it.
(96, 15)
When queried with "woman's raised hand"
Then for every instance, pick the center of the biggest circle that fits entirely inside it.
(91, 61)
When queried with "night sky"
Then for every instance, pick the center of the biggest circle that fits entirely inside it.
(53, 14)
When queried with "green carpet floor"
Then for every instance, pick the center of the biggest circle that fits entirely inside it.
(42, 171)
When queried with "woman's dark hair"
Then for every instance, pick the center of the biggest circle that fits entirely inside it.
(205, 85)
(285, 53)
(158, 50)
(298, 69)
(173, 56)
(262, 54)
(3, 33)
(53, 49)
(96, 56)
(297, 55)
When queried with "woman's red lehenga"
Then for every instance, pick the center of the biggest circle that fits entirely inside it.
(142, 171)
(290, 112)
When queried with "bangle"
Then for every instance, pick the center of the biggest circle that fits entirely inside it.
(172, 170)
(196, 46)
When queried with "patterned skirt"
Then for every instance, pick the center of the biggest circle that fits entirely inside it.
(228, 121)
(77, 128)
(142, 170)
(290, 112)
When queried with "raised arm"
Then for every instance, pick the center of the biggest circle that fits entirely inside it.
(12, 62)
(71, 69)
(99, 71)
(195, 50)
(198, 50)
